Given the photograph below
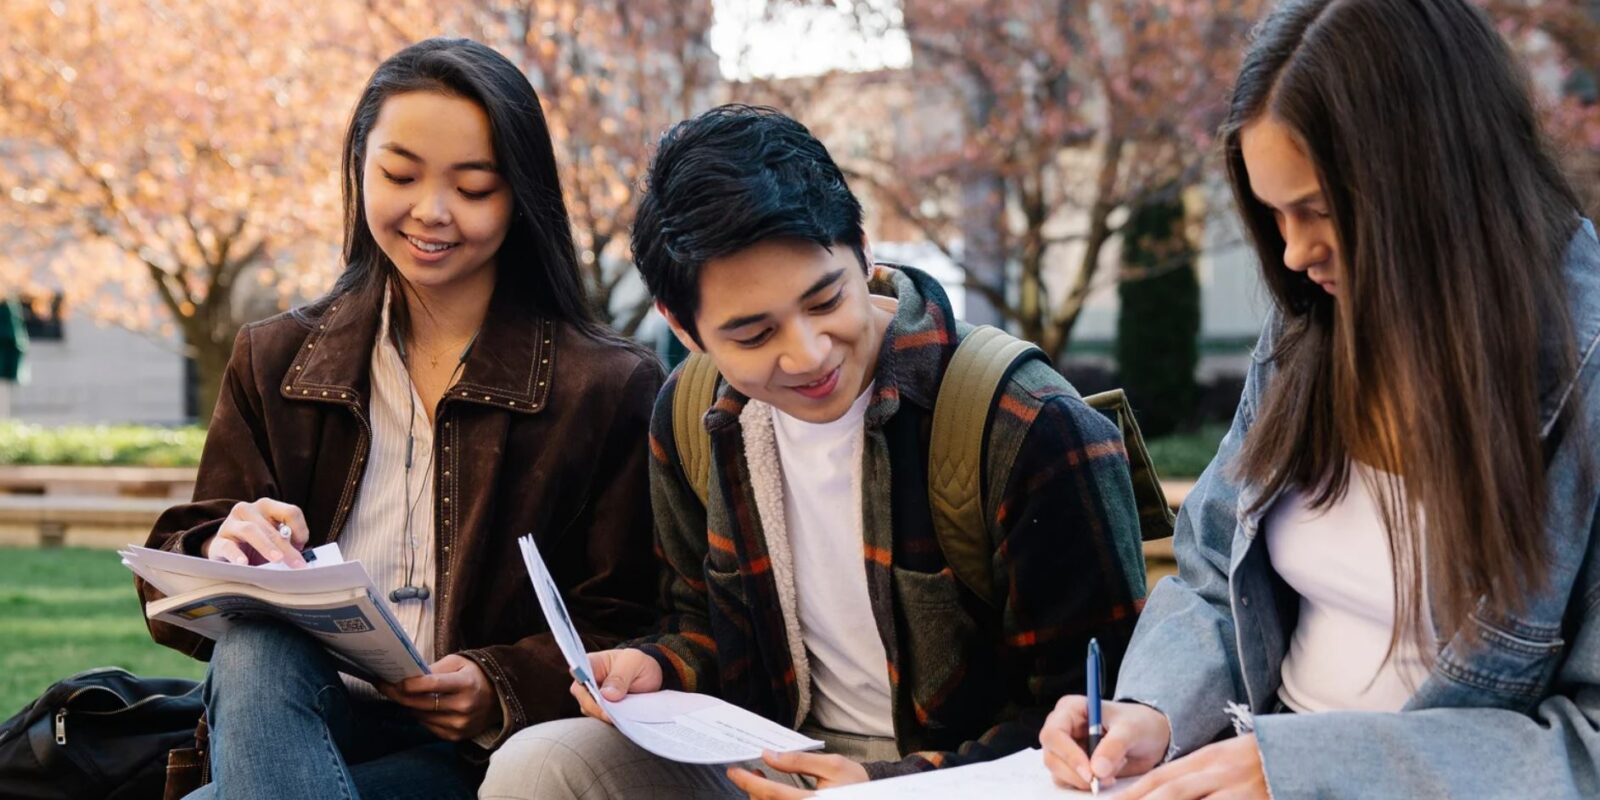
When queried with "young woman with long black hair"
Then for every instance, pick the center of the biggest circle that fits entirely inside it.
(1389, 578)
(452, 392)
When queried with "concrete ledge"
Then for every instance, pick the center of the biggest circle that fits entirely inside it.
(1158, 558)
(1176, 491)
(111, 519)
(1158, 562)
(173, 483)
(101, 522)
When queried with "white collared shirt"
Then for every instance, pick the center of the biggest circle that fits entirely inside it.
(376, 532)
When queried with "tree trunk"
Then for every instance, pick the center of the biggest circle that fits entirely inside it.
(980, 188)
(628, 324)
(210, 355)
(983, 221)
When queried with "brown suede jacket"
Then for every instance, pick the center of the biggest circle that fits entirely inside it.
(545, 432)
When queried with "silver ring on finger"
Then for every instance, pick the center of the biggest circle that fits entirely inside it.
(435, 701)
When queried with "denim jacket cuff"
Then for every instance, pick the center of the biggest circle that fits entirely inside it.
(1172, 739)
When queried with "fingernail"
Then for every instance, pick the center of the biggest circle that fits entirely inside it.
(1085, 774)
(1100, 766)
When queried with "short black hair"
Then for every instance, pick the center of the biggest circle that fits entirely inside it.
(730, 178)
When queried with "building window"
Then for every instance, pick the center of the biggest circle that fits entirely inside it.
(191, 390)
(1584, 86)
(42, 317)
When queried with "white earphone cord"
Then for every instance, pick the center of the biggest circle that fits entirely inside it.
(409, 590)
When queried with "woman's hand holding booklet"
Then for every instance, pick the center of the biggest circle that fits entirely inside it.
(331, 599)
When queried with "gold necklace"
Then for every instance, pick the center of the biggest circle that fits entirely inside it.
(433, 360)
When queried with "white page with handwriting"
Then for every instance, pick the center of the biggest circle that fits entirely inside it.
(1019, 776)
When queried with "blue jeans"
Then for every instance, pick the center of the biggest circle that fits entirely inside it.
(284, 725)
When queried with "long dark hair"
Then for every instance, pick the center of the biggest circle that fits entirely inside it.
(1452, 219)
(537, 261)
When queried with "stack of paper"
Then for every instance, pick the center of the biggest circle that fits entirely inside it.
(331, 599)
(176, 573)
(691, 728)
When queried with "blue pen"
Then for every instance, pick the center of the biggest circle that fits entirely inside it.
(1094, 708)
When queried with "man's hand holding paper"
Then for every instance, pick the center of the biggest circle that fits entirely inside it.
(827, 770)
(681, 726)
(618, 673)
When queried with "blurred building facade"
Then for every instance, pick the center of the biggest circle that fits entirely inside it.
(78, 371)
(855, 112)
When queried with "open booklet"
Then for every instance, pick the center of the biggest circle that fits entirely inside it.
(331, 599)
(681, 726)
(1019, 776)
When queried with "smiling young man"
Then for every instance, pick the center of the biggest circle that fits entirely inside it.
(810, 587)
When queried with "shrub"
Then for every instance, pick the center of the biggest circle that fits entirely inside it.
(1158, 326)
(100, 445)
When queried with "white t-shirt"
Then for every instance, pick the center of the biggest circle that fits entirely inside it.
(1338, 561)
(822, 506)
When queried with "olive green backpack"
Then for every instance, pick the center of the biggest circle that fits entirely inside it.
(980, 366)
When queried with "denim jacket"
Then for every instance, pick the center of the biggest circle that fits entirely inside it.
(1515, 715)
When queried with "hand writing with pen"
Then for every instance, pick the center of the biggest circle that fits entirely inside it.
(1135, 741)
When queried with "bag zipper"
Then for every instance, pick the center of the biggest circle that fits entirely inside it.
(61, 713)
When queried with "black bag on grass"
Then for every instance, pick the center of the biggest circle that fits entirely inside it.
(103, 733)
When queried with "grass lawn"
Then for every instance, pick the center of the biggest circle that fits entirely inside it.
(64, 611)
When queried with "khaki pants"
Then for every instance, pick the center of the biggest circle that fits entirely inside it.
(588, 759)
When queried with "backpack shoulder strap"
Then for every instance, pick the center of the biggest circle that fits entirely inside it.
(982, 361)
(1155, 514)
(696, 390)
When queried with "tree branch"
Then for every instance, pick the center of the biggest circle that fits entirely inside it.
(1067, 313)
(635, 317)
(379, 11)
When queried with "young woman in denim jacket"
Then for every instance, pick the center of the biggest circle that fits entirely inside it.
(1389, 578)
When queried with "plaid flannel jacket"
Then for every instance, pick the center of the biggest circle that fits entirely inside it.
(969, 682)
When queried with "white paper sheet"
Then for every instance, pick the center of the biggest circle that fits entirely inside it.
(681, 726)
(316, 558)
(555, 610)
(176, 573)
(1019, 776)
(699, 728)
